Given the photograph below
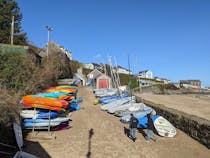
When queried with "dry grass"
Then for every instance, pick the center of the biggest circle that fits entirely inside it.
(21, 76)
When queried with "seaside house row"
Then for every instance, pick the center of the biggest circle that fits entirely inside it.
(122, 70)
(190, 83)
(118, 69)
(145, 74)
(164, 80)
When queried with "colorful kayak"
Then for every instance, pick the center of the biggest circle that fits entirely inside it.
(57, 89)
(30, 100)
(67, 97)
(50, 95)
(58, 119)
(47, 107)
(67, 86)
(38, 114)
(40, 124)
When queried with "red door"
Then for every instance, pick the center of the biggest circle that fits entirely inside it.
(103, 83)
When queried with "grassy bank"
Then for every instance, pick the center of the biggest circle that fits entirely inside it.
(20, 75)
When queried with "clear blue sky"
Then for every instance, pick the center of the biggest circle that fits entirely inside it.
(170, 37)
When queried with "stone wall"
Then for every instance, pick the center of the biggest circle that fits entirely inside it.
(196, 127)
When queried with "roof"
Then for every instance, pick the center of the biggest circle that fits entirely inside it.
(144, 71)
(117, 67)
(95, 72)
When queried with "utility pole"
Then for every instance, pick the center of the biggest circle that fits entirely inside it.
(139, 78)
(12, 30)
(48, 37)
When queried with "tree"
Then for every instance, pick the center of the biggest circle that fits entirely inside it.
(9, 8)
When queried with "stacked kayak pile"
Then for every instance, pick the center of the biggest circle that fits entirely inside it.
(49, 108)
(123, 106)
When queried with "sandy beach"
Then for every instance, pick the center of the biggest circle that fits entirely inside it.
(108, 139)
(190, 104)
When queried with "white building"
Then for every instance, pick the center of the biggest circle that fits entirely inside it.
(145, 74)
(164, 80)
(93, 66)
(121, 70)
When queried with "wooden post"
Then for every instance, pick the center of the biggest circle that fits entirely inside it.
(12, 30)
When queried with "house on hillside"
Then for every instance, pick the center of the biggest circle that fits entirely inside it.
(121, 70)
(93, 66)
(53, 47)
(145, 74)
(190, 83)
(165, 81)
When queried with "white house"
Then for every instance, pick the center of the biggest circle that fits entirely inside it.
(121, 70)
(88, 66)
(93, 66)
(164, 80)
(145, 74)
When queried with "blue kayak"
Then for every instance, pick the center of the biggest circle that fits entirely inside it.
(40, 124)
(138, 114)
(46, 114)
(57, 119)
(143, 121)
(73, 107)
(101, 100)
(77, 100)
(38, 114)
(106, 101)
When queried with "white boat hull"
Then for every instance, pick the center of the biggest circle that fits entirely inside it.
(164, 127)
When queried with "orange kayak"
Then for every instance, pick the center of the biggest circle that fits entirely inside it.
(66, 97)
(47, 107)
(29, 100)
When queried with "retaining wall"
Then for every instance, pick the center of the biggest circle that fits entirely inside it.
(196, 127)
